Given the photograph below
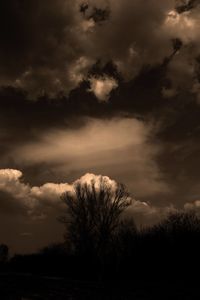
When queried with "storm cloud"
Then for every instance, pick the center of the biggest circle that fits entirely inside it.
(50, 47)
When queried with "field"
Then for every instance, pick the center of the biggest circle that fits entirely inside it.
(28, 287)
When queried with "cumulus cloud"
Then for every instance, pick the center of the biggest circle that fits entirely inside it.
(10, 183)
(102, 87)
(90, 179)
(39, 201)
(36, 200)
(28, 199)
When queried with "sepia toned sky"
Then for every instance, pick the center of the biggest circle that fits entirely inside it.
(97, 87)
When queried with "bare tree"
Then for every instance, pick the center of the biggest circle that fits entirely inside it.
(93, 214)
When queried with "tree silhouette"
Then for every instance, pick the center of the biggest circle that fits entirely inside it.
(179, 223)
(4, 253)
(93, 214)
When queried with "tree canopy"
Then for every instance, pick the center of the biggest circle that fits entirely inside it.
(93, 213)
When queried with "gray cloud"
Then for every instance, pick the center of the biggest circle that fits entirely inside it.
(55, 44)
(42, 46)
(183, 70)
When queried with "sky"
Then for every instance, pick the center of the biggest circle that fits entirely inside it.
(96, 88)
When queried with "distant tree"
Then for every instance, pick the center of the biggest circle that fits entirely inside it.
(179, 223)
(4, 253)
(56, 249)
(93, 214)
(126, 235)
(125, 242)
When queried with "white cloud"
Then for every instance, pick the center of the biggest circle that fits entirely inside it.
(49, 193)
(102, 87)
(10, 182)
(30, 199)
(9, 175)
(90, 178)
(39, 201)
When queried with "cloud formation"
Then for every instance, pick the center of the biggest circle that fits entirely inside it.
(26, 198)
(120, 148)
(39, 201)
(102, 87)
(183, 69)
(51, 47)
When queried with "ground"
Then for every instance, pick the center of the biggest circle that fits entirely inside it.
(28, 287)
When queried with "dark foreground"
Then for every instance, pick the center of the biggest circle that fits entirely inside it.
(29, 287)
(161, 262)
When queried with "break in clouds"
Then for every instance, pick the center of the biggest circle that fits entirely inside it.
(50, 47)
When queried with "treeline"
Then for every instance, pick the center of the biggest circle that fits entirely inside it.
(171, 247)
(98, 245)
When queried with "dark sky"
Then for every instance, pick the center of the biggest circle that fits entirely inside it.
(98, 87)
